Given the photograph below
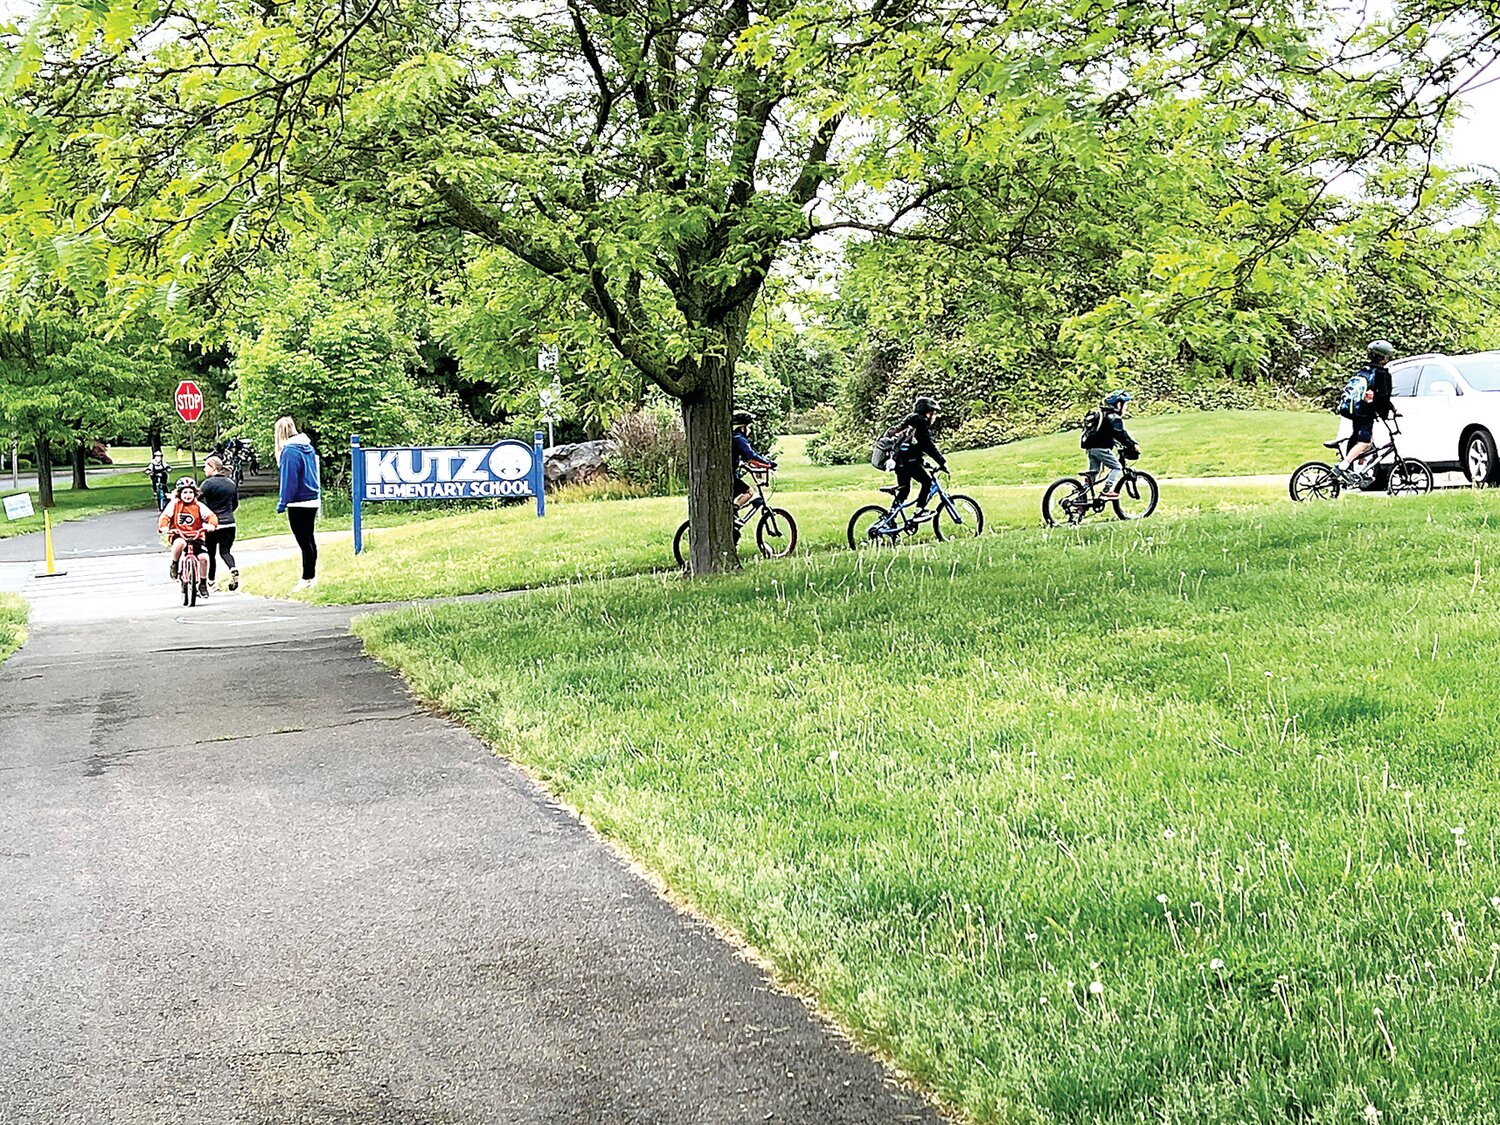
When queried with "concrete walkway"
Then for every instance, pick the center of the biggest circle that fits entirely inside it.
(244, 877)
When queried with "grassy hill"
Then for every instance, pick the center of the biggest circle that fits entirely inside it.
(486, 549)
(1185, 820)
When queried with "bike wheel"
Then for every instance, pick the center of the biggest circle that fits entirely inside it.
(1066, 501)
(1315, 481)
(776, 534)
(863, 525)
(1409, 477)
(681, 550)
(1138, 496)
(958, 517)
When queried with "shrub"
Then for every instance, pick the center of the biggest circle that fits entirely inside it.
(835, 444)
(648, 449)
(811, 421)
(767, 399)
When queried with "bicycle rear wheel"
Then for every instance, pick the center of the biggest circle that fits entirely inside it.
(863, 525)
(1409, 477)
(776, 534)
(1315, 481)
(1138, 496)
(958, 517)
(1066, 501)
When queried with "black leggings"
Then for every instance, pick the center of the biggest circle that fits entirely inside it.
(907, 473)
(220, 542)
(302, 520)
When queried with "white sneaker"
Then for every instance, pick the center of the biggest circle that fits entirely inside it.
(304, 584)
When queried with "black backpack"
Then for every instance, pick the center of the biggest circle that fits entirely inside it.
(883, 455)
(1093, 422)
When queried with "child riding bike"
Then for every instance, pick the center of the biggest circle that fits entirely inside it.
(745, 454)
(1104, 430)
(186, 518)
(158, 470)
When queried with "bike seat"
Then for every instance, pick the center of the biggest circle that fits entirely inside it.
(1337, 443)
(890, 490)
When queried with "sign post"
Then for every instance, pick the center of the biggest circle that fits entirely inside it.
(189, 401)
(506, 470)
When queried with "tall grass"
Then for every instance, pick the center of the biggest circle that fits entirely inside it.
(1193, 820)
(13, 614)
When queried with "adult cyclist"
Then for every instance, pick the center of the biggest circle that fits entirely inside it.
(745, 454)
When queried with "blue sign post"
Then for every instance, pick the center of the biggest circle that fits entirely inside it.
(507, 469)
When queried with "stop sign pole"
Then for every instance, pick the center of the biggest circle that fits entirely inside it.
(189, 402)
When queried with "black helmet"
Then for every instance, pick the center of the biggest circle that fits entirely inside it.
(925, 404)
(742, 418)
(1380, 351)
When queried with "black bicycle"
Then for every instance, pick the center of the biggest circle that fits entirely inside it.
(954, 516)
(1072, 500)
(775, 530)
(1405, 476)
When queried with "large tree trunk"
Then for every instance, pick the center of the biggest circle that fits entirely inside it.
(80, 466)
(43, 472)
(705, 420)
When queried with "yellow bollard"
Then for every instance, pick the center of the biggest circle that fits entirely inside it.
(51, 571)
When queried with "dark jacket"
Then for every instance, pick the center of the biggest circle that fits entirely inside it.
(919, 443)
(221, 496)
(1111, 433)
(299, 473)
(744, 451)
(1379, 378)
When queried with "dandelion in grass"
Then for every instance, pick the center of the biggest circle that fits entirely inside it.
(1169, 834)
(1372, 1115)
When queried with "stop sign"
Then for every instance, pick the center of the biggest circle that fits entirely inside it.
(189, 401)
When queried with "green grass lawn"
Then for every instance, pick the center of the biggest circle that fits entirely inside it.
(487, 548)
(104, 494)
(1187, 820)
(510, 549)
(13, 612)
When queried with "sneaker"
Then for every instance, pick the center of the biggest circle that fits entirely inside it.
(173, 571)
(234, 580)
(304, 584)
(922, 515)
(203, 587)
(1115, 495)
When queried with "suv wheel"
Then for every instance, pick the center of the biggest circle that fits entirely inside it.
(1480, 461)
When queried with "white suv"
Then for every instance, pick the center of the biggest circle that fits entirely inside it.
(1450, 412)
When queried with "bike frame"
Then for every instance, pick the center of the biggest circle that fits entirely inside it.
(1380, 454)
(888, 526)
(1127, 476)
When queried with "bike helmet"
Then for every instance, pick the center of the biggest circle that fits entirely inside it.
(1116, 399)
(1380, 351)
(185, 482)
(742, 418)
(925, 404)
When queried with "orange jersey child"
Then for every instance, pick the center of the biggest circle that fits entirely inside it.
(185, 518)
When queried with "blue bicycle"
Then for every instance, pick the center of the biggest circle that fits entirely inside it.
(953, 516)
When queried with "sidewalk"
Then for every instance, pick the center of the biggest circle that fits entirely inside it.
(249, 879)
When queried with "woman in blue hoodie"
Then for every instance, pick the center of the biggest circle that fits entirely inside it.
(301, 495)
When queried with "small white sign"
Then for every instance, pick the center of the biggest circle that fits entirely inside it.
(18, 507)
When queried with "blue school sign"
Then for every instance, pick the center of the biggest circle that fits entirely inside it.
(505, 470)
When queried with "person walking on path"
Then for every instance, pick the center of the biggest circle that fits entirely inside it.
(222, 496)
(301, 494)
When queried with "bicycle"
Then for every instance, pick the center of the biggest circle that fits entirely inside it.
(159, 488)
(775, 533)
(1071, 500)
(1318, 480)
(955, 516)
(192, 569)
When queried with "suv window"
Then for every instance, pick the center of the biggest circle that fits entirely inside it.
(1481, 372)
(1435, 373)
(1404, 380)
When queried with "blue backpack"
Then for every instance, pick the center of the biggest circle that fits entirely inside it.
(1354, 393)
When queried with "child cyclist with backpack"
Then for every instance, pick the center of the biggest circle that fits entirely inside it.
(1103, 430)
(1367, 396)
(902, 449)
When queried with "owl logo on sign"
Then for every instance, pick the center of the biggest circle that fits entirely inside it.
(511, 461)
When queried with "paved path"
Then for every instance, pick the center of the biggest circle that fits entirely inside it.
(245, 878)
